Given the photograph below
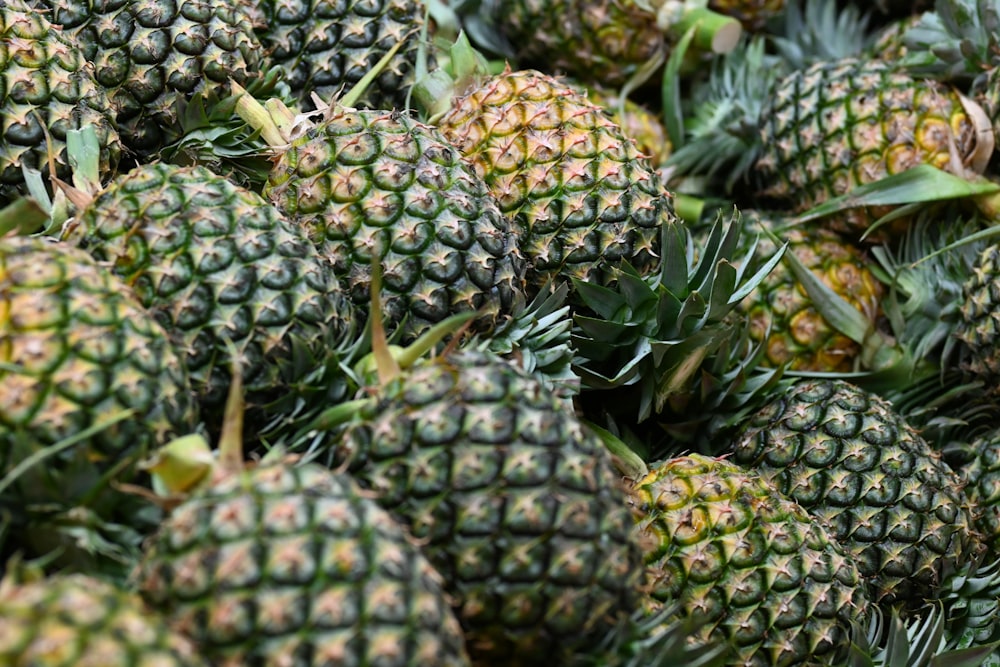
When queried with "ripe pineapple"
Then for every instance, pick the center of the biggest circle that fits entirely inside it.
(581, 197)
(803, 137)
(217, 265)
(746, 563)
(81, 621)
(515, 501)
(781, 312)
(285, 562)
(367, 184)
(324, 47)
(848, 459)
(146, 54)
(47, 89)
(76, 349)
(638, 122)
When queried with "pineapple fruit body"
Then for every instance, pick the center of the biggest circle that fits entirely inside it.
(46, 90)
(839, 124)
(977, 327)
(375, 186)
(848, 459)
(515, 500)
(582, 198)
(289, 563)
(77, 349)
(784, 317)
(82, 621)
(327, 47)
(216, 264)
(982, 477)
(752, 14)
(146, 54)
(748, 564)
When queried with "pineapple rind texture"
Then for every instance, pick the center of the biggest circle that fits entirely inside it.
(581, 196)
(216, 264)
(848, 459)
(749, 564)
(147, 53)
(516, 502)
(289, 561)
(46, 90)
(77, 348)
(81, 621)
(326, 47)
(982, 476)
(843, 123)
(980, 317)
(368, 184)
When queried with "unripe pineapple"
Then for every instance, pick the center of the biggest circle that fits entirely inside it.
(848, 459)
(217, 265)
(375, 184)
(147, 54)
(581, 196)
(81, 621)
(979, 315)
(781, 311)
(327, 47)
(982, 476)
(515, 501)
(748, 564)
(47, 89)
(76, 350)
(293, 564)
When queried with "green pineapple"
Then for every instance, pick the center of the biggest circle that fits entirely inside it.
(147, 54)
(76, 350)
(783, 316)
(324, 47)
(796, 139)
(982, 477)
(979, 314)
(281, 560)
(81, 621)
(217, 265)
(848, 459)
(746, 564)
(515, 501)
(48, 89)
(369, 184)
(581, 197)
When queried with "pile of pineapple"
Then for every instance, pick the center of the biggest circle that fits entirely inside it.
(618, 333)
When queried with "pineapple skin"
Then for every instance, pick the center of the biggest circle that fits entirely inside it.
(843, 123)
(291, 561)
(848, 459)
(599, 41)
(367, 184)
(217, 264)
(146, 54)
(47, 89)
(982, 479)
(748, 563)
(327, 47)
(752, 14)
(581, 196)
(797, 335)
(81, 621)
(977, 326)
(517, 504)
(77, 348)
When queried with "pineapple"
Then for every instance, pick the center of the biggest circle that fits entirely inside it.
(372, 185)
(639, 123)
(218, 266)
(746, 563)
(982, 477)
(147, 54)
(76, 350)
(802, 137)
(582, 198)
(515, 501)
(783, 316)
(978, 316)
(81, 621)
(848, 459)
(286, 562)
(324, 47)
(48, 90)
(752, 14)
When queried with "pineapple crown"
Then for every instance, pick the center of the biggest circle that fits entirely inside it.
(958, 41)
(821, 31)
